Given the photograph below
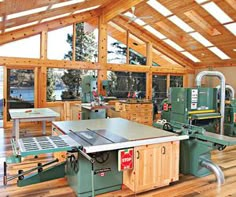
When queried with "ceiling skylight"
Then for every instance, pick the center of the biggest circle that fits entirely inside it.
(197, 36)
(135, 18)
(117, 27)
(219, 53)
(58, 5)
(55, 17)
(27, 12)
(190, 56)
(231, 27)
(154, 32)
(217, 12)
(21, 26)
(86, 9)
(159, 8)
(201, 1)
(180, 23)
(173, 44)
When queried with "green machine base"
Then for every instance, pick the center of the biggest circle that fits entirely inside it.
(54, 172)
(106, 177)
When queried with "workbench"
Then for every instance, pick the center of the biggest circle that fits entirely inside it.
(30, 115)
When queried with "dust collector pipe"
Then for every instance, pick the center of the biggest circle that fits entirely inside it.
(229, 87)
(222, 94)
(215, 169)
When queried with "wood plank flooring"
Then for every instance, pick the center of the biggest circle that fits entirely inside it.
(187, 186)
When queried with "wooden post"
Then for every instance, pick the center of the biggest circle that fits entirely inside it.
(74, 42)
(185, 80)
(149, 73)
(167, 83)
(102, 54)
(43, 44)
(127, 45)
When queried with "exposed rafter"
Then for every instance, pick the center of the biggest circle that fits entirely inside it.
(116, 7)
(161, 47)
(55, 24)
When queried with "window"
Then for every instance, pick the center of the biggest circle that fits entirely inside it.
(86, 47)
(22, 48)
(59, 43)
(116, 51)
(65, 84)
(127, 84)
(176, 81)
(159, 89)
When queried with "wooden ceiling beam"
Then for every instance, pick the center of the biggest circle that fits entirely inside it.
(117, 7)
(66, 64)
(55, 24)
(143, 34)
(51, 13)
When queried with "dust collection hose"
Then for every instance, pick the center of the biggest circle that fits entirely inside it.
(215, 169)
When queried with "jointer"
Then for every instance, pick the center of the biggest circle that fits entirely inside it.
(93, 148)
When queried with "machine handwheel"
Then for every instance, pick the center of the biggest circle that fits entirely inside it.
(101, 157)
(167, 127)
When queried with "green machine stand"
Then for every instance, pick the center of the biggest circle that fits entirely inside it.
(102, 175)
(230, 118)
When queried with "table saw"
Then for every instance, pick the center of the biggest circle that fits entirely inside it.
(92, 146)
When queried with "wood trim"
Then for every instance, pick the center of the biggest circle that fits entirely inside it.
(19, 62)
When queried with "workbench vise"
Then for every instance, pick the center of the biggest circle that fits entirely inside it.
(195, 152)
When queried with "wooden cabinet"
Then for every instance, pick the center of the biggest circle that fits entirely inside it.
(155, 166)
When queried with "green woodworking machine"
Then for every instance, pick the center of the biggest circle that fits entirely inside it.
(93, 148)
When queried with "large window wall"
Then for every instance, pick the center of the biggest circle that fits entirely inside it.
(65, 84)
(127, 84)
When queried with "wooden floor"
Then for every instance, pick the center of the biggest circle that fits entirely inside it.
(187, 186)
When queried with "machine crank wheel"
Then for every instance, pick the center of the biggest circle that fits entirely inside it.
(167, 127)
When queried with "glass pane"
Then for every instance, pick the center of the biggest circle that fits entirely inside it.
(176, 81)
(127, 84)
(136, 58)
(1, 96)
(116, 44)
(137, 50)
(116, 51)
(86, 42)
(65, 84)
(28, 48)
(58, 43)
(20, 89)
(159, 89)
